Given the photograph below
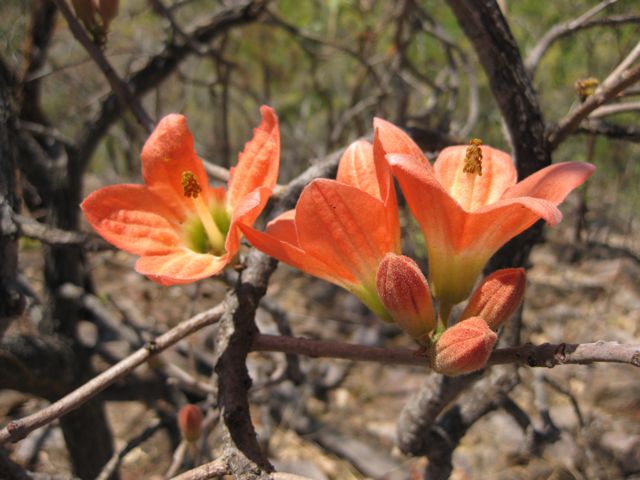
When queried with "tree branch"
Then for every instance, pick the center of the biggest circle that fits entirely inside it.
(609, 89)
(18, 429)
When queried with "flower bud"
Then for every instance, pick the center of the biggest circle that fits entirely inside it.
(405, 294)
(108, 10)
(190, 422)
(85, 11)
(497, 297)
(464, 348)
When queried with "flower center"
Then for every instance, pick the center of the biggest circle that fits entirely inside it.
(473, 158)
(192, 189)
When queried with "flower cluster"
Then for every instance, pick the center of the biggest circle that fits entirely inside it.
(346, 231)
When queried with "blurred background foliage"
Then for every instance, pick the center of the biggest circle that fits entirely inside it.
(328, 67)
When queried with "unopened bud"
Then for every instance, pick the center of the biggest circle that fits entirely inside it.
(405, 294)
(497, 297)
(464, 348)
(190, 422)
(108, 10)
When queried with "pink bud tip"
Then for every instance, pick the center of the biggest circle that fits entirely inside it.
(497, 297)
(405, 294)
(190, 422)
(464, 348)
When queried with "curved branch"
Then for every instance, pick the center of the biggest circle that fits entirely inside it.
(561, 30)
(159, 67)
(608, 91)
(18, 429)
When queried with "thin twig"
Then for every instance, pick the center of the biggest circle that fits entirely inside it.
(545, 355)
(566, 28)
(119, 87)
(613, 109)
(18, 429)
(50, 235)
(112, 465)
(607, 91)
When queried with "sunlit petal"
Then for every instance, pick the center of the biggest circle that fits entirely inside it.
(134, 219)
(181, 266)
(258, 163)
(473, 191)
(166, 155)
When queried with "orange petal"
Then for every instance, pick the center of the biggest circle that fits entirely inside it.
(357, 168)
(296, 257)
(181, 266)
(452, 270)
(345, 227)
(552, 183)
(166, 155)
(258, 163)
(387, 188)
(395, 140)
(134, 219)
(245, 213)
(496, 224)
(284, 227)
(440, 217)
(473, 191)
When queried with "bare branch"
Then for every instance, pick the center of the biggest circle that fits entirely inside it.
(117, 84)
(217, 468)
(18, 429)
(564, 29)
(112, 465)
(610, 88)
(56, 236)
(544, 355)
(629, 133)
(613, 109)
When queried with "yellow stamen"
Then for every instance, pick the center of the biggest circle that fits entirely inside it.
(192, 189)
(473, 158)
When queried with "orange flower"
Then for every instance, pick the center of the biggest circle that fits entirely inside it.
(340, 229)
(183, 229)
(468, 205)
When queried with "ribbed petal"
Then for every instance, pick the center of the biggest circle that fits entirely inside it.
(552, 183)
(181, 266)
(166, 155)
(473, 191)
(396, 141)
(296, 257)
(345, 227)
(283, 227)
(258, 163)
(357, 168)
(134, 219)
(245, 213)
